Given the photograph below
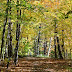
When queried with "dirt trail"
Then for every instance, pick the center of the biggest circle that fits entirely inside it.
(33, 64)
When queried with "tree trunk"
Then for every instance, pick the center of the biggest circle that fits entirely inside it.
(9, 41)
(55, 47)
(44, 49)
(38, 48)
(60, 54)
(9, 35)
(55, 38)
(6, 51)
(3, 33)
(45, 46)
(66, 54)
(3, 55)
(17, 44)
(49, 47)
(34, 47)
(38, 44)
(17, 37)
(63, 43)
(70, 53)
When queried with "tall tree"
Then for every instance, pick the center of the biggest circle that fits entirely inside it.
(6, 50)
(4, 28)
(63, 43)
(49, 47)
(60, 54)
(35, 46)
(55, 38)
(9, 34)
(38, 47)
(45, 46)
(17, 34)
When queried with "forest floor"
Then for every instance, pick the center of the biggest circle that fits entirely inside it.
(37, 64)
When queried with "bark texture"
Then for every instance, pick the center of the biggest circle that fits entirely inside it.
(38, 48)
(49, 47)
(4, 28)
(9, 34)
(55, 37)
(60, 54)
(17, 36)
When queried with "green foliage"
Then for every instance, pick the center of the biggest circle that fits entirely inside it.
(25, 49)
(1, 14)
(52, 54)
(33, 14)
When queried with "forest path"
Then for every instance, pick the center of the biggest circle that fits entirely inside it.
(36, 64)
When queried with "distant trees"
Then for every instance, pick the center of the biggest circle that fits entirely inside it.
(45, 47)
(22, 29)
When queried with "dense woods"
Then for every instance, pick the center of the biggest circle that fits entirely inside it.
(36, 28)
